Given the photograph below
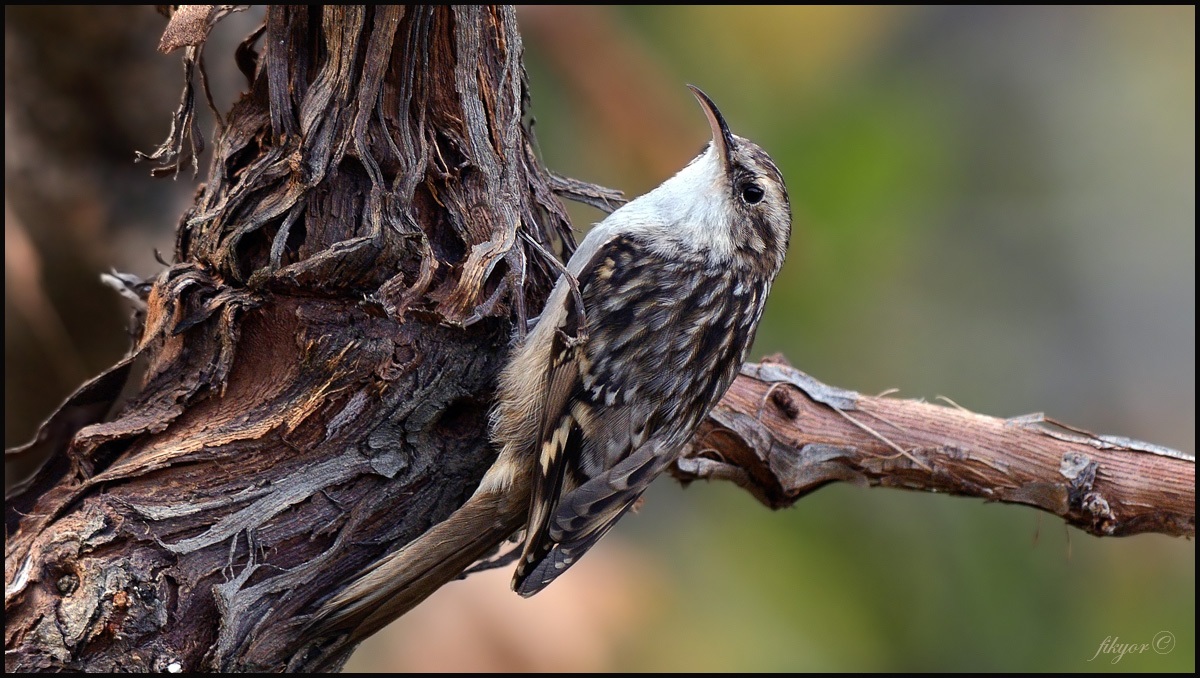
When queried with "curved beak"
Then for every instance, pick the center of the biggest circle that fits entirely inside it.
(722, 137)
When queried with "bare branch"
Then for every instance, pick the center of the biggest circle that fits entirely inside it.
(780, 434)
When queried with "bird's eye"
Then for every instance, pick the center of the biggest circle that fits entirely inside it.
(752, 193)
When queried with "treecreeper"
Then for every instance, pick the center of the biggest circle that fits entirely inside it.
(639, 339)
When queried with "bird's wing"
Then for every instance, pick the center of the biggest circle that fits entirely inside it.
(583, 515)
(561, 437)
(597, 452)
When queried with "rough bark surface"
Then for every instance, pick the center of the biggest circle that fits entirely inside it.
(780, 435)
(311, 382)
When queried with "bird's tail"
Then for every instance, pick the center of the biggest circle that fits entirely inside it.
(401, 580)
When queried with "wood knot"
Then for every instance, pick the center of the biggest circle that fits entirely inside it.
(786, 402)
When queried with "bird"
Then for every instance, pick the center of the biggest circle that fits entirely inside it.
(640, 337)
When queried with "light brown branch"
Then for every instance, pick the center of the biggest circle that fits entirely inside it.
(781, 434)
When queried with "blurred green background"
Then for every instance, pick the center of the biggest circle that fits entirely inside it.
(991, 204)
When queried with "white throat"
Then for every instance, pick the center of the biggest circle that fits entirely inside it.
(688, 213)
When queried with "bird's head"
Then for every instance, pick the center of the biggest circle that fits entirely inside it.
(730, 203)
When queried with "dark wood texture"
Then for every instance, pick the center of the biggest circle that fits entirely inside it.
(312, 377)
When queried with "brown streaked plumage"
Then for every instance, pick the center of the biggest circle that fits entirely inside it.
(673, 286)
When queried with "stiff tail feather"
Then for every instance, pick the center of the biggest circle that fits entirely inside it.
(401, 580)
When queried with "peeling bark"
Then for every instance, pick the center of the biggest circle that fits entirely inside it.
(780, 435)
(312, 375)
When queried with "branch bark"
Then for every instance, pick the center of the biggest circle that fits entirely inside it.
(311, 378)
(780, 434)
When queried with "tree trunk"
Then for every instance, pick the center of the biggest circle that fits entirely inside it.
(311, 381)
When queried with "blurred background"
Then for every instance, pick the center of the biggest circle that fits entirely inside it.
(996, 205)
